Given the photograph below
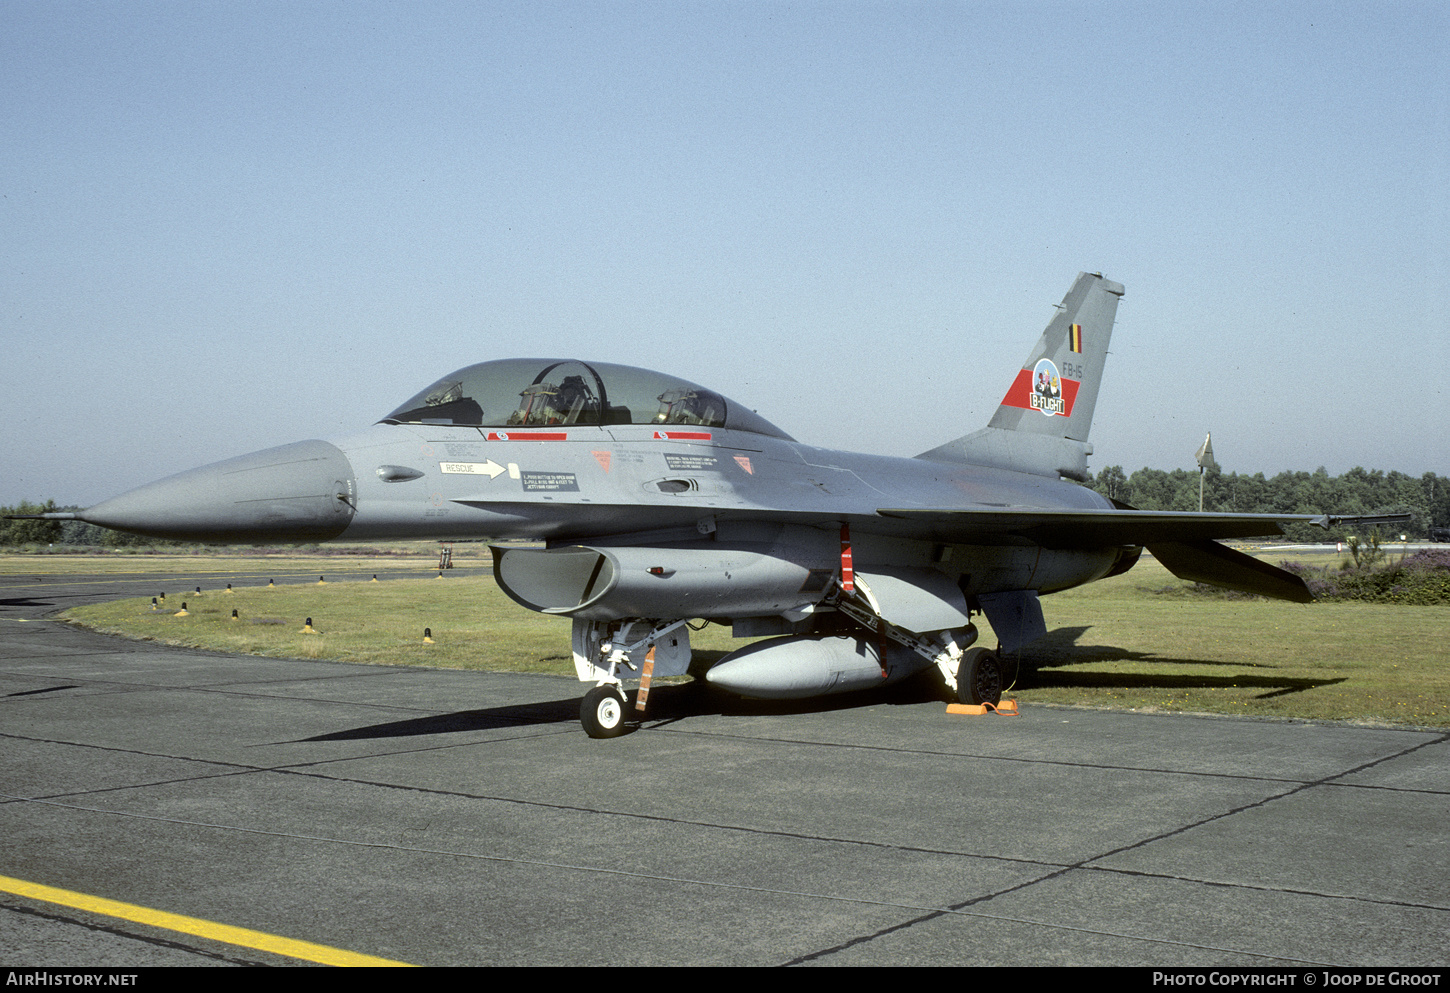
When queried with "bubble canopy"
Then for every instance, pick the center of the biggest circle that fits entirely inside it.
(563, 392)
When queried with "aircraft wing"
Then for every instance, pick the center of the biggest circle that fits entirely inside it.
(1098, 528)
(1090, 528)
(1184, 542)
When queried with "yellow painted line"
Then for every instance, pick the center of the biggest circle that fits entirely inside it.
(192, 925)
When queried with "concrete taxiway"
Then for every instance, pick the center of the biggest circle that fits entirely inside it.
(457, 818)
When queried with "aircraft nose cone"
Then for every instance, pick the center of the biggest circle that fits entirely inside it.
(299, 492)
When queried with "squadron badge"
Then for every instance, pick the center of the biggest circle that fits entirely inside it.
(1046, 389)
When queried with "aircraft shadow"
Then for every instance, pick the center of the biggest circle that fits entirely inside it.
(667, 704)
(1039, 663)
(46, 689)
(484, 719)
(698, 699)
(1041, 666)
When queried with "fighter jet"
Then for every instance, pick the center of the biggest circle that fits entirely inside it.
(660, 502)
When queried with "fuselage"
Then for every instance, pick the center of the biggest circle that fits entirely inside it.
(586, 484)
(592, 453)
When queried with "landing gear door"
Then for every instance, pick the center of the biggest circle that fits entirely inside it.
(1015, 616)
(918, 600)
(635, 638)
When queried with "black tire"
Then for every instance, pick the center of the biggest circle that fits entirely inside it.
(979, 677)
(602, 712)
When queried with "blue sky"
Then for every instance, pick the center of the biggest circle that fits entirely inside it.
(227, 226)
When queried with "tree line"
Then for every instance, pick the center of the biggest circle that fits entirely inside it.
(1358, 491)
(68, 533)
(1426, 498)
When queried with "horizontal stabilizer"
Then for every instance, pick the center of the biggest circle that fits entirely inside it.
(1359, 520)
(1218, 565)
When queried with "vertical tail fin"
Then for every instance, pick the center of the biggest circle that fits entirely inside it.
(1057, 388)
(1042, 423)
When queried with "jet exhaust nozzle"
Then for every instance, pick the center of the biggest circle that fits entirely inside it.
(299, 492)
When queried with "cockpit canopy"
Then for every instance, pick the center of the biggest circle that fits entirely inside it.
(560, 392)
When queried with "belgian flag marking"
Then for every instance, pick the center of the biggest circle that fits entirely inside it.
(1074, 338)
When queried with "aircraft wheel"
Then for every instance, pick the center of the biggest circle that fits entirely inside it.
(602, 712)
(979, 677)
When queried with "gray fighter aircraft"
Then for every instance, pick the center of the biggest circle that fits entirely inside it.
(660, 501)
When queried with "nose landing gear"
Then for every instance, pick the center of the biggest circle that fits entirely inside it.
(602, 712)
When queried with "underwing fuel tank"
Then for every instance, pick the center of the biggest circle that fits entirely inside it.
(803, 666)
(608, 584)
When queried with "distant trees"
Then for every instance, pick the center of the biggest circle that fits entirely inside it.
(1358, 491)
(1112, 483)
(63, 533)
(29, 532)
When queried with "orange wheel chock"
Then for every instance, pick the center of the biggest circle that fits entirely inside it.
(1006, 708)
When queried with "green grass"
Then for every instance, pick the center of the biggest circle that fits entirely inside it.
(473, 624)
(64, 561)
(1118, 643)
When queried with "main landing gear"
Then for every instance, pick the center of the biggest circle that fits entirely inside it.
(979, 677)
